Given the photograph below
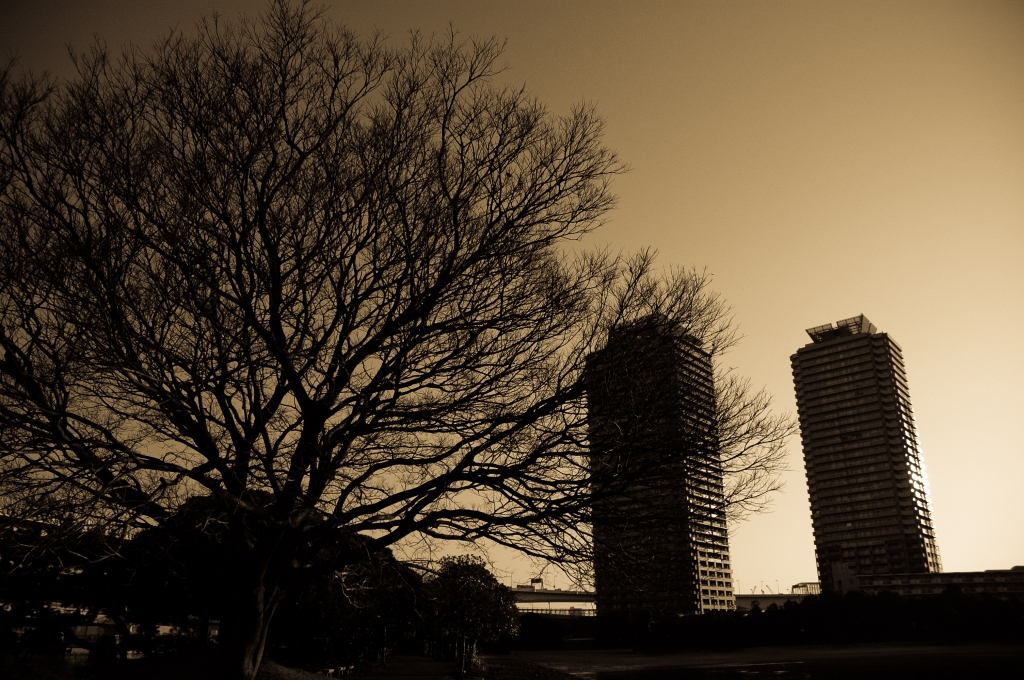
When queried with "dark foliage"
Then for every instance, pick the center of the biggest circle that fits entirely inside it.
(341, 617)
(468, 606)
(177, 573)
(50, 583)
(543, 632)
(953, 616)
(830, 619)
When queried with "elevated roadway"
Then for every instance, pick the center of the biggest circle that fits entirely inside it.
(530, 594)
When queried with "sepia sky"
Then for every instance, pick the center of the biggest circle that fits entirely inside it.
(821, 159)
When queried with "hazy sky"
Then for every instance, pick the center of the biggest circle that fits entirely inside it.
(822, 159)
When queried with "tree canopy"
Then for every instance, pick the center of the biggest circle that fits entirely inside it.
(469, 605)
(330, 284)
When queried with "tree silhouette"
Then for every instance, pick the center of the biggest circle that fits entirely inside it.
(339, 617)
(325, 283)
(470, 606)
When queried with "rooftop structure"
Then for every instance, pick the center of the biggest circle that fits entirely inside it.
(855, 325)
(806, 588)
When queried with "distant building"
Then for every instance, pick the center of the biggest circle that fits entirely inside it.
(660, 541)
(869, 496)
(746, 601)
(797, 594)
(999, 582)
(806, 588)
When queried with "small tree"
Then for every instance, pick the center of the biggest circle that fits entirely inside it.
(340, 617)
(468, 606)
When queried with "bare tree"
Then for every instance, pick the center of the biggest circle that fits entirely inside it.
(319, 280)
(751, 444)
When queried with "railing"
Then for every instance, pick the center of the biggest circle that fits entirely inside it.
(542, 595)
(572, 611)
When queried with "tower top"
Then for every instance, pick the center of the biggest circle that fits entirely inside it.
(852, 326)
(654, 327)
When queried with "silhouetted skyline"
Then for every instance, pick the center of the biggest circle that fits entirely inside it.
(819, 158)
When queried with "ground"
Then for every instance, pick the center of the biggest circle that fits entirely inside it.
(515, 667)
(833, 661)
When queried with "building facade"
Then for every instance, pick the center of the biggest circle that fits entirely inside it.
(660, 541)
(998, 582)
(806, 588)
(869, 497)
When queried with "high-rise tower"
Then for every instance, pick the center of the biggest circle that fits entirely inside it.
(869, 494)
(660, 541)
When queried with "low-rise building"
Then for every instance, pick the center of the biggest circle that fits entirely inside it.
(806, 588)
(1000, 582)
(799, 591)
(746, 601)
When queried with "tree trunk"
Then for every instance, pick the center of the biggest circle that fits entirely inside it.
(244, 630)
(244, 653)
